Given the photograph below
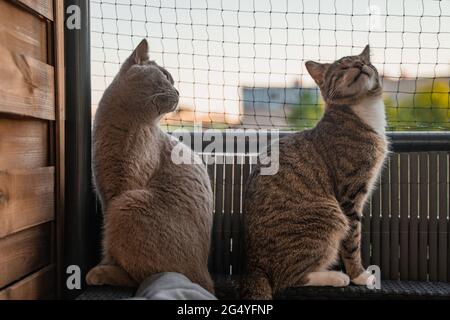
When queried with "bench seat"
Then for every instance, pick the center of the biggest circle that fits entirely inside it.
(226, 288)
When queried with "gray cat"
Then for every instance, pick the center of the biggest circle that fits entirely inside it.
(157, 214)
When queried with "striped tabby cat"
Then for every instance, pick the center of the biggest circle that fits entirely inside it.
(301, 220)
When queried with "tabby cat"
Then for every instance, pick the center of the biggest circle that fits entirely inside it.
(157, 214)
(299, 222)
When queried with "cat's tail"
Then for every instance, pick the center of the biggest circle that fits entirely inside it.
(256, 286)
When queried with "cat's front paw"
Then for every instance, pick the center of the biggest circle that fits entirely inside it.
(364, 279)
(95, 277)
(110, 275)
(342, 280)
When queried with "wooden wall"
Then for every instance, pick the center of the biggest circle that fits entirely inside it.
(31, 147)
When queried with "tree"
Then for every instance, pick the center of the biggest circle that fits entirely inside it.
(307, 112)
(427, 109)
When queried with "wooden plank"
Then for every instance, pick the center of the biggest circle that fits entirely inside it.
(448, 246)
(42, 7)
(59, 129)
(227, 206)
(245, 175)
(404, 212)
(366, 236)
(23, 144)
(375, 225)
(218, 217)
(413, 271)
(26, 198)
(423, 216)
(246, 170)
(39, 285)
(27, 86)
(22, 32)
(236, 215)
(210, 167)
(443, 217)
(385, 224)
(433, 213)
(24, 252)
(394, 240)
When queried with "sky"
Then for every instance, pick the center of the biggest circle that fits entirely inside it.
(214, 47)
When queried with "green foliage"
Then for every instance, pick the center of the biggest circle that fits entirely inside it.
(427, 109)
(307, 113)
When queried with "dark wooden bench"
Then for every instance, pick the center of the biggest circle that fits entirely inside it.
(405, 226)
(227, 289)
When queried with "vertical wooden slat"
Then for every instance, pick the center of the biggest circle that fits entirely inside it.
(210, 163)
(59, 63)
(236, 215)
(218, 214)
(413, 216)
(433, 223)
(375, 226)
(404, 211)
(210, 169)
(226, 226)
(394, 241)
(246, 167)
(448, 246)
(443, 216)
(366, 236)
(385, 225)
(245, 175)
(448, 215)
(423, 216)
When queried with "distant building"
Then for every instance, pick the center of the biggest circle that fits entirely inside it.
(263, 107)
(270, 107)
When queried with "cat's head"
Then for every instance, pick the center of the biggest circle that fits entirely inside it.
(145, 85)
(348, 80)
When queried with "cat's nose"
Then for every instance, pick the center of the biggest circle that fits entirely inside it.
(178, 94)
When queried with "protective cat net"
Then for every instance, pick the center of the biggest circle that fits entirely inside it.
(240, 64)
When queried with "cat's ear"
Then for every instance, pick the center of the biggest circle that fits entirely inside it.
(140, 54)
(365, 54)
(317, 71)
